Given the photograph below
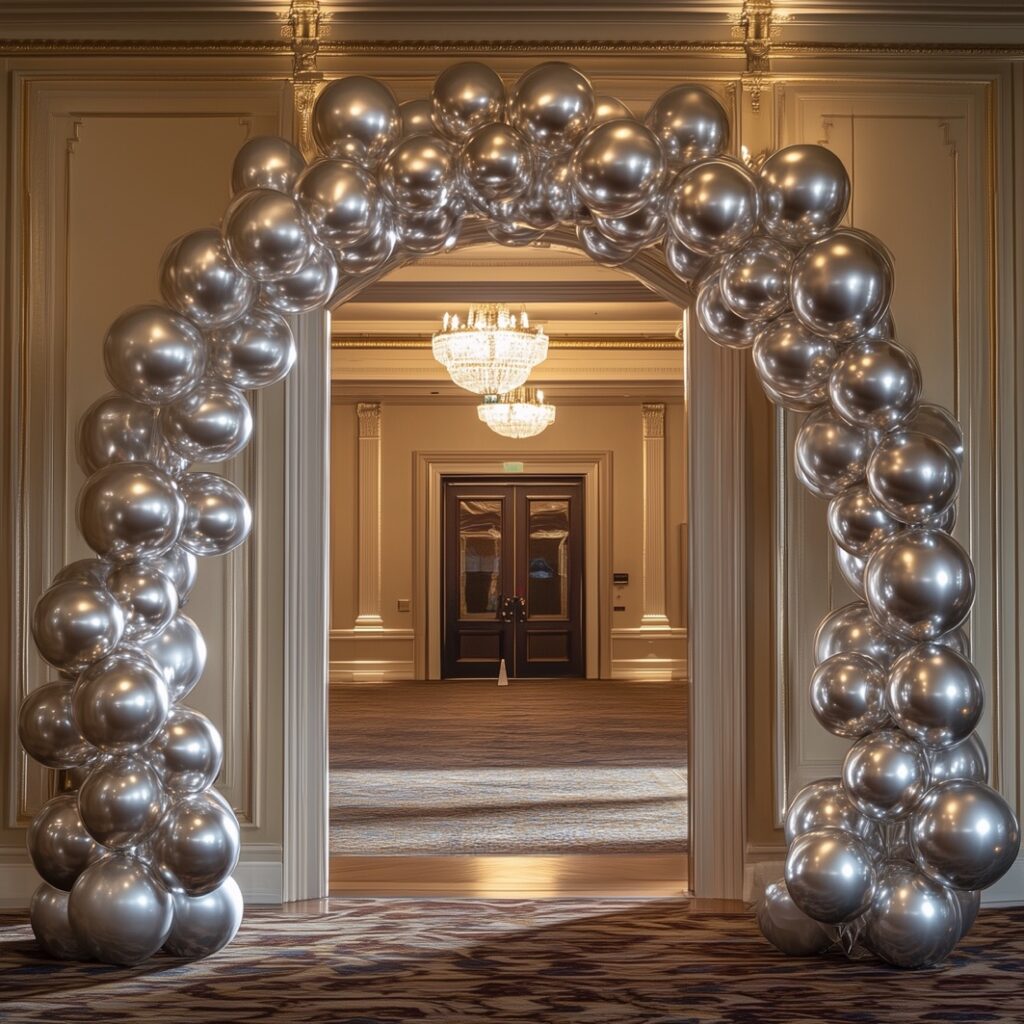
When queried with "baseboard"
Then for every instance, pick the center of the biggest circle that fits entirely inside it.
(1009, 890)
(381, 671)
(649, 669)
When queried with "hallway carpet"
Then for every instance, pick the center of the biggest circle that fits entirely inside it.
(597, 961)
(538, 767)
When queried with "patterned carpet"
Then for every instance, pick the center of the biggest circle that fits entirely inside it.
(538, 767)
(466, 961)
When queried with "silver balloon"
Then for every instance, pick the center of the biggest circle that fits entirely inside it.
(209, 424)
(356, 117)
(116, 428)
(369, 255)
(848, 695)
(686, 264)
(341, 201)
(76, 623)
(148, 597)
(601, 249)
(199, 279)
(857, 522)
(552, 105)
(841, 284)
(121, 801)
(417, 118)
(970, 904)
(495, 164)
(964, 835)
(805, 191)
(787, 927)
(824, 804)
(187, 752)
(852, 629)
(153, 354)
(912, 921)
(610, 108)
(217, 514)
(913, 476)
(875, 384)
(58, 843)
(85, 570)
(755, 279)
(618, 168)
(419, 174)
(465, 97)
(935, 695)
(119, 913)
(515, 234)
(830, 454)
(920, 584)
(196, 846)
(793, 363)
(205, 924)
(254, 352)
(851, 568)
(48, 914)
(428, 233)
(180, 567)
(644, 227)
(47, 727)
(939, 423)
(267, 234)
(121, 702)
(180, 654)
(718, 321)
(690, 123)
(885, 774)
(967, 759)
(266, 161)
(310, 289)
(130, 510)
(830, 874)
(713, 206)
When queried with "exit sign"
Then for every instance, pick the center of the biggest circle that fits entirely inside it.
(512, 467)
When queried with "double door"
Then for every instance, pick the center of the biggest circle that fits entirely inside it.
(513, 577)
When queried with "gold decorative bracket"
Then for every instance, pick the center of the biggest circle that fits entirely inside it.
(305, 29)
(757, 25)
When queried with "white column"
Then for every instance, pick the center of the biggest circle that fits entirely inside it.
(654, 516)
(369, 616)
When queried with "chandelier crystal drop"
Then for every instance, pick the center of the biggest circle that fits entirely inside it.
(520, 413)
(492, 351)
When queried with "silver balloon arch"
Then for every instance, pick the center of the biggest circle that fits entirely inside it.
(137, 851)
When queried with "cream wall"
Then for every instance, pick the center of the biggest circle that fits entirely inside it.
(434, 426)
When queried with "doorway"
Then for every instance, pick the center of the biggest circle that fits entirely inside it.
(513, 578)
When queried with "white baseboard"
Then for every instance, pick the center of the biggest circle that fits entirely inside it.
(380, 671)
(648, 669)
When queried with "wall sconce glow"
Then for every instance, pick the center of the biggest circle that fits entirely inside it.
(520, 413)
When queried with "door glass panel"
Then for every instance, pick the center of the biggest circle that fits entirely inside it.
(547, 594)
(480, 528)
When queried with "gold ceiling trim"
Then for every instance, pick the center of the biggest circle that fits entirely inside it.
(609, 343)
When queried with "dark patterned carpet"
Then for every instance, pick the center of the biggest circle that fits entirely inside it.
(595, 961)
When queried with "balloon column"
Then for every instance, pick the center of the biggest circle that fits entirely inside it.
(137, 853)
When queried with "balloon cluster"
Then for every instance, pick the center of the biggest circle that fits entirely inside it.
(137, 851)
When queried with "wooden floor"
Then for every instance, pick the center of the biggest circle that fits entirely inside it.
(529, 729)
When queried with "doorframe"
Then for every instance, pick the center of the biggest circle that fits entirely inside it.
(595, 469)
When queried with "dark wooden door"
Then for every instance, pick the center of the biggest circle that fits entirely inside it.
(513, 577)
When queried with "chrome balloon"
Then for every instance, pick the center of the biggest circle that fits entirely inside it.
(199, 279)
(848, 695)
(805, 191)
(690, 123)
(609, 108)
(47, 727)
(119, 913)
(713, 206)
(211, 423)
(419, 174)
(428, 233)
(341, 201)
(830, 874)
(964, 835)
(147, 596)
(310, 289)
(130, 510)
(841, 284)
(267, 234)
(357, 118)
(793, 363)
(205, 924)
(417, 118)
(187, 752)
(967, 759)
(369, 255)
(885, 774)
(217, 514)
(254, 352)
(875, 384)
(830, 454)
(466, 96)
(852, 629)
(180, 567)
(686, 264)
(755, 279)
(116, 428)
(76, 623)
(601, 249)
(552, 105)
(153, 354)
(644, 227)
(787, 927)
(618, 168)
(718, 321)
(58, 843)
(857, 522)
(180, 654)
(266, 161)
(93, 571)
(196, 846)
(939, 423)
(495, 164)
(913, 476)
(121, 801)
(852, 568)
(970, 904)
(912, 922)
(48, 914)
(824, 804)
(920, 584)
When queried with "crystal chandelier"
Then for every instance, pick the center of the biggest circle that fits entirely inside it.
(520, 413)
(492, 351)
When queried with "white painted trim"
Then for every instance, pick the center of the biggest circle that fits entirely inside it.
(381, 670)
(653, 444)
(369, 519)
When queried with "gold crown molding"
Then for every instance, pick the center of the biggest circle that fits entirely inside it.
(609, 343)
(146, 47)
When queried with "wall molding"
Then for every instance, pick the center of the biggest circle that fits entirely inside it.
(653, 448)
(369, 521)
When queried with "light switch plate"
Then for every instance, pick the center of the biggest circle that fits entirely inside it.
(404, 604)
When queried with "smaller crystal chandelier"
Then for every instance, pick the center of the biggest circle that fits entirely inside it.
(520, 413)
(492, 351)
